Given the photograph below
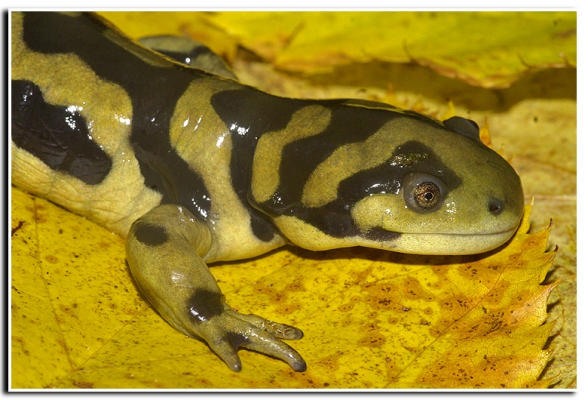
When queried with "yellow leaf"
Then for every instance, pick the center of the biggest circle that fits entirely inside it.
(371, 318)
(70, 290)
(488, 49)
(450, 112)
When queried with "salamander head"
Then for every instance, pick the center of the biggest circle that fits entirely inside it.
(412, 186)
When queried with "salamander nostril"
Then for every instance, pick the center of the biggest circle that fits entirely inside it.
(495, 206)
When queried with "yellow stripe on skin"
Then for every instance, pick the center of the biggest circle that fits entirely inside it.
(443, 244)
(307, 236)
(306, 122)
(347, 160)
(95, 99)
(202, 139)
(370, 212)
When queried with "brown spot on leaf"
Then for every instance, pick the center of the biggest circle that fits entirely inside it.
(83, 385)
(52, 259)
(17, 227)
(372, 339)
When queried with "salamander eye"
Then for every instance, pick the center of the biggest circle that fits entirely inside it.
(426, 195)
(422, 192)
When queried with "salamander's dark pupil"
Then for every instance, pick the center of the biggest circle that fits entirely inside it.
(426, 194)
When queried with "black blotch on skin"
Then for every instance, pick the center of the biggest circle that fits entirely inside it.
(204, 305)
(463, 126)
(57, 136)
(335, 218)
(249, 114)
(149, 234)
(380, 234)
(154, 91)
(300, 158)
(253, 113)
(235, 339)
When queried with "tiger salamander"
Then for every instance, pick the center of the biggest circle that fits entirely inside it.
(192, 167)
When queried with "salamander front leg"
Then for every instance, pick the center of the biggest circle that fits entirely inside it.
(165, 251)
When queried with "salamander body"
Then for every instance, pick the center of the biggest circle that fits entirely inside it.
(193, 167)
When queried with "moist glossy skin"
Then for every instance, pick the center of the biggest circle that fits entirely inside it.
(194, 168)
(363, 186)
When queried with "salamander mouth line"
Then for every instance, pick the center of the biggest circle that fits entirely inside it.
(481, 234)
